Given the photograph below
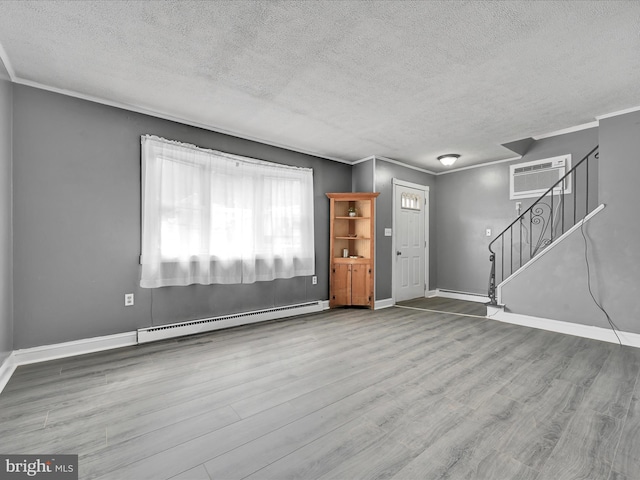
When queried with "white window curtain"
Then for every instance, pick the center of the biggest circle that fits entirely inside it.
(212, 217)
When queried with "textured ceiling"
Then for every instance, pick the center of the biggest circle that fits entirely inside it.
(346, 80)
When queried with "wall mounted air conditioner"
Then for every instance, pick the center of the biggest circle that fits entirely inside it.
(532, 179)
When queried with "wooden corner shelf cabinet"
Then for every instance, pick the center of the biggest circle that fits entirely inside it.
(352, 249)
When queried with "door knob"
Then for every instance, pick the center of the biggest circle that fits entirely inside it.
(398, 252)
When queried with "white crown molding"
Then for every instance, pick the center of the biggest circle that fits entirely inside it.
(619, 112)
(171, 118)
(481, 165)
(165, 116)
(389, 160)
(564, 131)
(366, 159)
(4, 58)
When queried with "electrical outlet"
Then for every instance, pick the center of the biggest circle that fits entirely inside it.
(128, 299)
(488, 232)
(314, 280)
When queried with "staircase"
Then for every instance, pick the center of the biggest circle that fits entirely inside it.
(544, 222)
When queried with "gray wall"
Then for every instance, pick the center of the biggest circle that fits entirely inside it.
(362, 176)
(470, 201)
(613, 239)
(6, 270)
(385, 173)
(77, 223)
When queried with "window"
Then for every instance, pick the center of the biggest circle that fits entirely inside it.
(212, 217)
(410, 201)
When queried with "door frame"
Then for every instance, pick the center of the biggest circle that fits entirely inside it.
(425, 189)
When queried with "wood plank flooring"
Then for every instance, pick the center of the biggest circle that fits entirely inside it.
(397, 393)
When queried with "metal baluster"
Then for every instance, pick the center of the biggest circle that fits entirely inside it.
(551, 221)
(502, 260)
(538, 217)
(575, 195)
(511, 251)
(530, 233)
(492, 278)
(520, 223)
(562, 199)
(586, 196)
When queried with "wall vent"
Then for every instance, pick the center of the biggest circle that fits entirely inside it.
(191, 327)
(532, 179)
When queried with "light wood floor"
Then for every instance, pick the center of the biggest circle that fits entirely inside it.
(346, 394)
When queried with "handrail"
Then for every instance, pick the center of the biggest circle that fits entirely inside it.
(537, 217)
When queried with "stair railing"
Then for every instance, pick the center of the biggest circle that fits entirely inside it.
(540, 225)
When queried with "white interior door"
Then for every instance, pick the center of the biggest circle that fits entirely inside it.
(410, 245)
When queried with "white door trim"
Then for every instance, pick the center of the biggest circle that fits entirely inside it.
(425, 189)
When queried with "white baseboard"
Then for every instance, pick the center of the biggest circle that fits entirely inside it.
(45, 353)
(470, 297)
(431, 293)
(585, 331)
(76, 347)
(493, 310)
(7, 368)
(384, 303)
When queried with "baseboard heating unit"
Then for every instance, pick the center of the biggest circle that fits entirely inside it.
(151, 334)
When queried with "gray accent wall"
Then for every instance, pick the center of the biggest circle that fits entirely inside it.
(385, 172)
(6, 250)
(74, 215)
(77, 223)
(557, 288)
(470, 201)
(362, 176)
(616, 233)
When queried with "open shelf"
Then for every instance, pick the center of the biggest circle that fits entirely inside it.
(352, 275)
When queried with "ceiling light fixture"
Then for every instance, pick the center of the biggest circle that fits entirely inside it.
(448, 159)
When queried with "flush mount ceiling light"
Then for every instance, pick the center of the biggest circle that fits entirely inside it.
(448, 159)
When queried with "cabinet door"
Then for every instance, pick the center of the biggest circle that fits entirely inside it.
(360, 285)
(341, 284)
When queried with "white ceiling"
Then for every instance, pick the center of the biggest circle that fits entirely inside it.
(341, 79)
